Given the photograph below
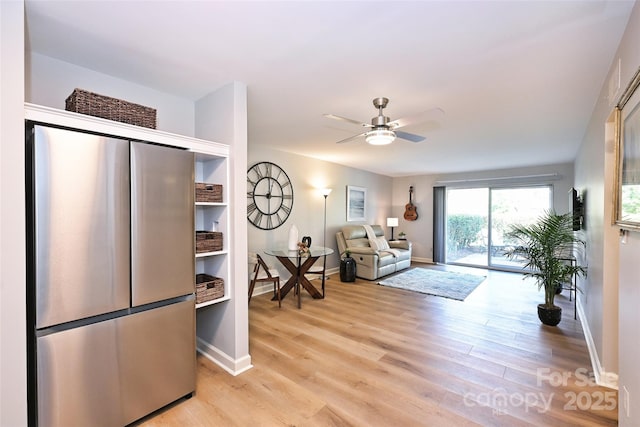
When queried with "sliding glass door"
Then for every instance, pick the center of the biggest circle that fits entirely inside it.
(478, 219)
(467, 225)
(513, 206)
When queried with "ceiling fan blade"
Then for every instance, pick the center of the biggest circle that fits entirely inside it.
(416, 118)
(409, 136)
(351, 138)
(344, 119)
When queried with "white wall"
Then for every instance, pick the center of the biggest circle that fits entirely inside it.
(629, 373)
(629, 274)
(609, 302)
(420, 231)
(614, 294)
(50, 81)
(223, 329)
(598, 301)
(307, 176)
(13, 354)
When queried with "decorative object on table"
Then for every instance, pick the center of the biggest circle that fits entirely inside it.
(293, 238)
(627, 115)
(410, 211)
(402, 236)
(208, 193)
(392, 223)
(93, 104)
(544, 247)
(208, 241)
(356, 203)
(347, 268)
(269, 196)
(307, 241)
(303, 249)
(208, 288)
(446, 284)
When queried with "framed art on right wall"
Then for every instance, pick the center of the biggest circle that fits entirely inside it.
(627, 189)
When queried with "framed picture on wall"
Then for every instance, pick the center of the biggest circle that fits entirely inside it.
(627, 191)
(356, 203)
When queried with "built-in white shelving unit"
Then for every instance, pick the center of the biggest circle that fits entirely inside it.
(213, 169)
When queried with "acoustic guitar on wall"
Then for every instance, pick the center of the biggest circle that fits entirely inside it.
(410, 212)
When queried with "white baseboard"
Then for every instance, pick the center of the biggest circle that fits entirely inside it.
(263, 289)
(333, 270)
(232, 366)
(603, 378)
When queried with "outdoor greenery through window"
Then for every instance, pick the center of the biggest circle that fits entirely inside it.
(477, 220)
(631, 202)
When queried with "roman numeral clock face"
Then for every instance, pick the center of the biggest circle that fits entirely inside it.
(269, 195)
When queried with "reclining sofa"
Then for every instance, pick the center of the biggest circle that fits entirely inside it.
(374, 255)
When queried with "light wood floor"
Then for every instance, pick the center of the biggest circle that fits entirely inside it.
(369, 355)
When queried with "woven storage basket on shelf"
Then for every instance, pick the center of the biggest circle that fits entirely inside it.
(208, 241)
(208, 288)
(211, 193)
(93, 104)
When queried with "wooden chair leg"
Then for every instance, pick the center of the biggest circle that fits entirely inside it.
(277, 284)
(252, 284)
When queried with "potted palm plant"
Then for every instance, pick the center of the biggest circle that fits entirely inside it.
(545, 246)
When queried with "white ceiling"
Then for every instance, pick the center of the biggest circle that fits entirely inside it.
(517, 80)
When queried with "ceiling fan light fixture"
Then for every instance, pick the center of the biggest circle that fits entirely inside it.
(380, 137)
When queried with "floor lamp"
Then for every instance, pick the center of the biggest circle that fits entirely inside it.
(325, 193)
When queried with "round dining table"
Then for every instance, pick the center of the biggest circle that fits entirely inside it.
(298, 264)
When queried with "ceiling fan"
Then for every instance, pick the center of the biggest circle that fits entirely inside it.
(382, 130)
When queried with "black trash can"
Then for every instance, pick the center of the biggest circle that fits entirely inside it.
(348, 269)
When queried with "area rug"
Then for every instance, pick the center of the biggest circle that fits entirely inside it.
(440, 283)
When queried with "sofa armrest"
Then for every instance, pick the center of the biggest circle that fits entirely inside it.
(400, 244)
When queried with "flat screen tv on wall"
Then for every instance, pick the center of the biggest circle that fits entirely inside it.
(577, 209)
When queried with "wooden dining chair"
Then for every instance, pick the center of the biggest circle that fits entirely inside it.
(318, 272)
(262, 273)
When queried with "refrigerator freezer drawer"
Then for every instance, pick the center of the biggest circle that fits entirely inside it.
(159, 358)
(79, 382)
(114, 372)
(81, 186)
(162, 223)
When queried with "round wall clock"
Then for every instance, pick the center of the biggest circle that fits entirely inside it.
(269, 195)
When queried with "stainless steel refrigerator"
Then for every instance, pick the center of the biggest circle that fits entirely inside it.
(111, 277)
